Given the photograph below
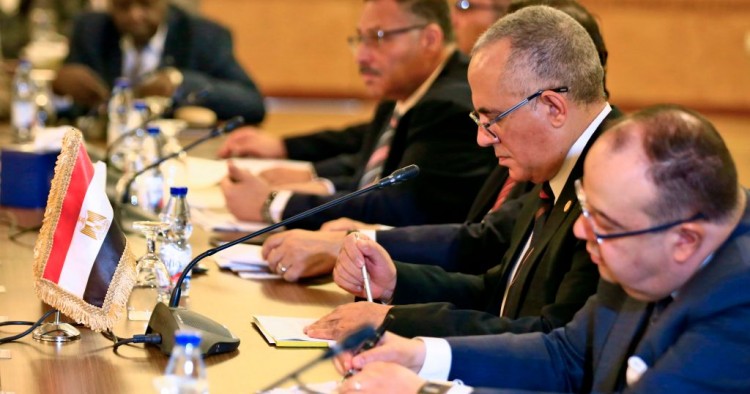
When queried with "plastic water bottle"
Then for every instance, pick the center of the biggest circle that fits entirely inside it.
(186, 372)
(152, 182)
(119, 114)
(176, 251)
(23, 107)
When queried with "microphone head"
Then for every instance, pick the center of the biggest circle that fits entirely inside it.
(352, 341)
(400, 175)
(232, 124)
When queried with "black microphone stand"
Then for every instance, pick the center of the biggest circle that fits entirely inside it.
(217, 338)
(398, 176)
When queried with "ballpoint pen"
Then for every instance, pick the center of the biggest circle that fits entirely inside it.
(365, 275)
(366, 278)
(371, 343)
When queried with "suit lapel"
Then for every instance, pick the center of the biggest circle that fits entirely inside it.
(565, 209)
(178, 42)
(617, 345)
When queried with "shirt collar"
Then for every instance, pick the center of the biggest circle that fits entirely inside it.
(155, 44)
(557, 183)
(402, 106)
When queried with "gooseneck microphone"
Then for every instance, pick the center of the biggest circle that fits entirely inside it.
(228, 127)
(398, 176)
(216, 338)
(351, 342)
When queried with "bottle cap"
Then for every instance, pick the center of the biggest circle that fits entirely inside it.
(187, 337)
(179, 191)
(154, 130)
(140, 105)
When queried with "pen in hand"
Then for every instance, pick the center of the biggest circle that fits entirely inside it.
(371, 343)
(365, 276)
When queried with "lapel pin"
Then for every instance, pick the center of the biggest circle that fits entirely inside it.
(567, 206)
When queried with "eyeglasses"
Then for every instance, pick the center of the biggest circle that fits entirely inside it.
(601, 237)
(474, 115)
(466, 5)
(374, 38)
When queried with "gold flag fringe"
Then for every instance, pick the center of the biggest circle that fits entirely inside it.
(115, 301)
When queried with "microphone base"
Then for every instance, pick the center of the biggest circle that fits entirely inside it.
(215, 338)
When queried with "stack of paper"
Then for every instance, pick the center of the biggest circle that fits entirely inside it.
(288, 331)
(246, 261)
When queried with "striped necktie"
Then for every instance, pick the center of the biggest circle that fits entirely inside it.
(374, 167)
(509, 184)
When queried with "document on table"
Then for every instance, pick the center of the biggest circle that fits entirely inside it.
(246, 260)
(221, 220)
(288, 331)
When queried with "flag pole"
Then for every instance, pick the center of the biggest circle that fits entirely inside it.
(56, 331)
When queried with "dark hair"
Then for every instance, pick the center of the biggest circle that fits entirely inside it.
(691, 166)
(582, 16)
(548, 49)
(432, 11)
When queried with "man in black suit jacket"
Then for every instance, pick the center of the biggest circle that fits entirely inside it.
(668, 226)
(541, 280)
(181, 56)
(407, 58)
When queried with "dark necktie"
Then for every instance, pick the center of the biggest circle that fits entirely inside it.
(546, 201)
(374, 166)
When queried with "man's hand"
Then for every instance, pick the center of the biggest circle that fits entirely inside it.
(358, 251)
(244, 194)
(250, 141)
(303, 253)
(383, 378)
(409, 353)
(81, 83)
(346, 319)
(157, 83)
(346, 224)
(281, 175)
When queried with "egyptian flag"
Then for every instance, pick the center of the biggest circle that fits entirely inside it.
(82, 263)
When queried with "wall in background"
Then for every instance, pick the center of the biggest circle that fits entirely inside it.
(692, 52)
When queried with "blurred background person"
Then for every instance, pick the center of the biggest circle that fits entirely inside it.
(164, 51)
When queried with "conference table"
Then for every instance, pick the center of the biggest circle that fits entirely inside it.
(89, 365)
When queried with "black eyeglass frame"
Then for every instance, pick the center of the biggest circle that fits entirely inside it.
(378, 36)
(474, 115)
(581, 195)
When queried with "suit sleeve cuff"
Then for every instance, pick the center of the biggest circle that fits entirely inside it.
(276, 209)
(437, 359)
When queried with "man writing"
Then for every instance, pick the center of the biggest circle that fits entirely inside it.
(536, 85)
(406, 58)
(668, 227)
(469, 247)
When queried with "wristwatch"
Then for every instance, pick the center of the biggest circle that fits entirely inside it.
(434, 388)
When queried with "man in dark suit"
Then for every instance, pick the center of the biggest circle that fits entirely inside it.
(165, 52)
(540, 120)
(406, 58)
(668, 226)
(469, 247)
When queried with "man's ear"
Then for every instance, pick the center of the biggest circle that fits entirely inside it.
(433, 37)
(556, 106)
(688, 238)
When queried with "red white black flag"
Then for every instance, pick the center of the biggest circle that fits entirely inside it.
(82, 263)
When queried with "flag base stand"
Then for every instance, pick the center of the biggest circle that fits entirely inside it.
(56, 331)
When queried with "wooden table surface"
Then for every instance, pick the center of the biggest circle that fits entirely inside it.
(90, 366)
